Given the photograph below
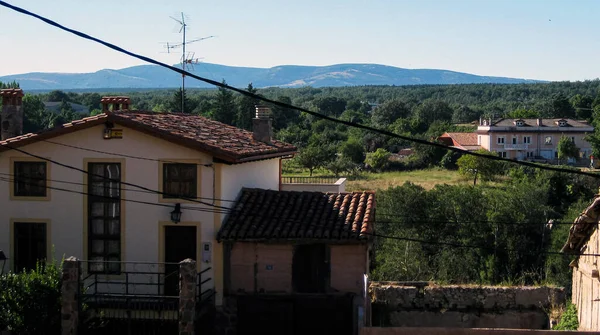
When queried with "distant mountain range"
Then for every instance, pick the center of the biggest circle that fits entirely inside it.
(152, 76)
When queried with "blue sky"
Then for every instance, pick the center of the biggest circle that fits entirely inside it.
(536, 39)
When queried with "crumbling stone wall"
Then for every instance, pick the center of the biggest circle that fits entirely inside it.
(462, 306)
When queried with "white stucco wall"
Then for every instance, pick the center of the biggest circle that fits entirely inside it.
(260, 174)
(66, 210)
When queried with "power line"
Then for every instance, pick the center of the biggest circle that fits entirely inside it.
(114, 180)
(123, 155)
(84, 184)
(407, 239)
(11, 181)
(288, 106)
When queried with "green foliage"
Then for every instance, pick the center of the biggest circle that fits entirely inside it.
(224, 107)
(353, 150)
(523, 113)
(174, 105)
(30, 301)
(246, 110)
(340, 165)
(313, 157)
(478, 167)
(566, 149)
(378, 160)
(568, 320)
(13, 84)
(388, 112)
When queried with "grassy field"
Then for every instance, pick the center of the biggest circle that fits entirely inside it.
(426, 178)
(372, 181)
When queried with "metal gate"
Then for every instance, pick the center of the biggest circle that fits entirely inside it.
(126, 298)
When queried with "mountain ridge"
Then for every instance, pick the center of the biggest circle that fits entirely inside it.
(350, 74)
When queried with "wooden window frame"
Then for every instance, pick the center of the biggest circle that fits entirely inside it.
(13, 184)
(105, 237)
(161, 180)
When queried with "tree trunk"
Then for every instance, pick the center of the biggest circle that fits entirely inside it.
(475, 179)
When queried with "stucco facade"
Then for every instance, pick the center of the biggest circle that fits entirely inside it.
(533, 138)
(142, 224)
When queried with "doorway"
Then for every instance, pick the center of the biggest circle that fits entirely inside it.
(179, 244)
(29, 245)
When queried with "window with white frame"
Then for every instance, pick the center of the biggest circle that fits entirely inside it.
(502, 154)
(514, 140)
(548, 140)
(527, 139)
(501, 140)
(530, 154)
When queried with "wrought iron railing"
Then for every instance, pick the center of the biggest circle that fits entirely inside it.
(205, 290)
(309, 180)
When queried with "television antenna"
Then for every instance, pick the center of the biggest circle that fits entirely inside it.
(185, 59)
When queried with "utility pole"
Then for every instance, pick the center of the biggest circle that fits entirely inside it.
(184, 60)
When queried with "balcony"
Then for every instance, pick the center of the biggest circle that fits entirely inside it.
(520, 146)
(315, 184)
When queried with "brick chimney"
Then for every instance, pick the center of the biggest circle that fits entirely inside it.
(115, 103)
(261, 125)
(12, 113)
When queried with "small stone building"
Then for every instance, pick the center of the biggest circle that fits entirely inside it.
(297, 262)
(584, 239)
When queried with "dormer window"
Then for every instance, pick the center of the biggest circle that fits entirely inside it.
(519, 123)
(562, 123)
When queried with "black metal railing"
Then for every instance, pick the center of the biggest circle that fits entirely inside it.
(205, 290)
(136, 299)
(309, 180)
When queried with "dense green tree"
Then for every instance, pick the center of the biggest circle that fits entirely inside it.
(522, 113)
(560, 107)
(174, 105)
(57, 95)
(582, 105)
(353, 150)
(340, 165)
(12, 84)
(464, 114)
(478, 167)
(246, 110)
(331, 106)
(433, 110)
(566, 148)
(385, 114)
(313, 157)
(378, 160)
(224, 106)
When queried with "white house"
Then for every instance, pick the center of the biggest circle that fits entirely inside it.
(80, 196)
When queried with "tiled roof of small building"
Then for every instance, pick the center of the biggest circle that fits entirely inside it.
(225, 142)
(261, 215)
(464, 138)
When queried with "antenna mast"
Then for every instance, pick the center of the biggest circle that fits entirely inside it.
(184, 60)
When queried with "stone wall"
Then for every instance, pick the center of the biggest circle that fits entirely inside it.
(462, 331)
(397, 305)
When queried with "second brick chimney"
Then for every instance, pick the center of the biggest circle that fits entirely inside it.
(262, 129)
(12, 113)
(115, 103)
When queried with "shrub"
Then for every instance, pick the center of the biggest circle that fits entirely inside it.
(379, 159)
(568, 321)
(30, 301)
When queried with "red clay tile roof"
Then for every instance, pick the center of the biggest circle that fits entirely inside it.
(227, 143)
(463, 138)
(290, 215)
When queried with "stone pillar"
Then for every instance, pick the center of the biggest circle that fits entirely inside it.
(69, 307)
(187, 296)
